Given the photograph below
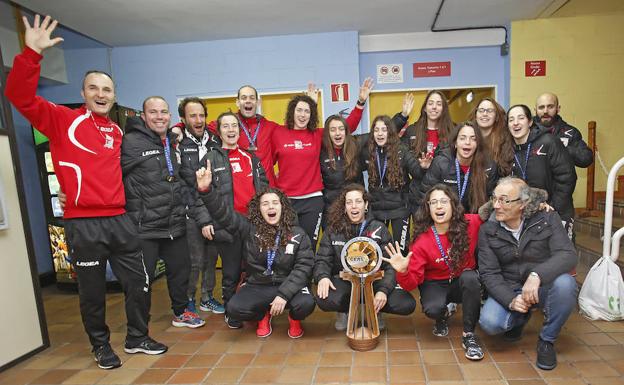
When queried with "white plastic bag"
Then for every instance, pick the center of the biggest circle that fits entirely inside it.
(602, 292)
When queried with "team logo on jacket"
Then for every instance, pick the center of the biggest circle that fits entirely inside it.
(290, 249)
(297, 145)
(338, 243)
(106, 129)
(150, 152)
(375, 234)
(451, 181)
(539, 151)
(189, 150)
(294, 238)
(108, 141)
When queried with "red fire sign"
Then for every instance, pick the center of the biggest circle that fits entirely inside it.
(430, 69)
(535, 68)
(339, 92)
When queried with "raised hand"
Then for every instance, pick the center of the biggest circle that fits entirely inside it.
(396, 260)
(408, 104)
(365, 89)
(425, 160)
(38, 37)
(204, 177)
(312, 92)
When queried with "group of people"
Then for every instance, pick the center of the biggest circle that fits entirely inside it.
(489, 201)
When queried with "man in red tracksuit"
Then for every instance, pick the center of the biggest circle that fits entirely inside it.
(85, 146)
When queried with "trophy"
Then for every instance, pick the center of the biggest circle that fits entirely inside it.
(361, 259)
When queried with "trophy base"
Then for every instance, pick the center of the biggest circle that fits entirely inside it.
(362, 339)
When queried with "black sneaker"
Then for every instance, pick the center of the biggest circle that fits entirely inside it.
(472, 348)
(106, 357)
(440, 329)
(514, 334)
(233, 323)
(546, 355)
(147, 346)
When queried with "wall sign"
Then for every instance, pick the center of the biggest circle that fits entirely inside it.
(534, 68)
(389, 73)
(339, 92)
(431, 69)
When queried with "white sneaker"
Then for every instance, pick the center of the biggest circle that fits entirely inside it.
(341, 321)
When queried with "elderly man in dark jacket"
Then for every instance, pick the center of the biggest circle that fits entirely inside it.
(525, 257)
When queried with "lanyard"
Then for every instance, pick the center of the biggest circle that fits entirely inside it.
(461, 190)
(526, 162)
(444, 256)
(382, 172)
(168, 159)
(252, 141)
(271, 254)
(362, 226)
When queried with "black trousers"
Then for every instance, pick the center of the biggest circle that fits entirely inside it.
(251, 303)
(93, 242)
(231, 259)
(310, 214)
(400, 232)
(399, 301)
(466, 289)
(175, 254)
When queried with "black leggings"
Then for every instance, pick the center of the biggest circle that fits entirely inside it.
(251, 302)
(435, 295)
(231, 257)
(399, 301)
(309, 213)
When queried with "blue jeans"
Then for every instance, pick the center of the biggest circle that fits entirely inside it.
(557, 299)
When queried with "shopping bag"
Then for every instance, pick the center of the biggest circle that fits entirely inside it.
(602, 292)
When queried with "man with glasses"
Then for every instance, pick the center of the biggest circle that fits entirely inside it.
(525, 257)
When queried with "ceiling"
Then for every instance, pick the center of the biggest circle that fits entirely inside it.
(139, 22)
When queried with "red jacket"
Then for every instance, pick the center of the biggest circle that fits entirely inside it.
(85, 147)
(427, 264)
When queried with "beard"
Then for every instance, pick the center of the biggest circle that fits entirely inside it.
(547, 123)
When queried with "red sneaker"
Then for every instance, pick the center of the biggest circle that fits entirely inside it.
(264, 326)
(294, 328)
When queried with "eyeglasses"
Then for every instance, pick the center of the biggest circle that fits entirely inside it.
(503, 201)
(442, 201)
(484, 110)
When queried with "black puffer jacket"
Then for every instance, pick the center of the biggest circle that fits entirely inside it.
(292, 267)
(572, 140)
(334, 180)
(504, 263)
(387, 202)
(549, 168)
(155, 204)
(442, 170)
(327, 260)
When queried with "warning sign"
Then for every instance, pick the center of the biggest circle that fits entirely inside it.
(534, 68)
(339, 92)
(389, 73)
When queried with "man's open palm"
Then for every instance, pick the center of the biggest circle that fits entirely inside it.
(38, 37)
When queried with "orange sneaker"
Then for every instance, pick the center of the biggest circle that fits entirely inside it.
(264, 326)
(294, 328)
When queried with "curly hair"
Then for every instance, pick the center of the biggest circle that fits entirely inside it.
(391, 149)
(499, 143)
(445, 125)
(265, 232)
(338, 221)
(458, 228)
(478, 179)
(349, 149)
(290, 112)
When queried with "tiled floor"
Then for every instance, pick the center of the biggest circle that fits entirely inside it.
(589, 353)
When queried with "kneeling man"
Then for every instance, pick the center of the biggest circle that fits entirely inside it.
(525, 257)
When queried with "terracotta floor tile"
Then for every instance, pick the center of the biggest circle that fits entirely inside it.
(332, 375)
(580, 327)
(245, 346)
(438, 357)
(518, 371)
(86, 377)
(304, 345)
(610, 327)
(404, 357)
(214, 347)
(370, 374)
(369, 358)
(270, 359)
(336, 359)
(121, 376)
(224, 376)
(510, 353)
(197, 336)
(563, 370)
(79, 362)
(443, 372)
(46, 362)
(184, 347)
(403, 343)
(447, 383)
(566, 381)
(174, 361)
(595, 369)
(434, 343)
(480, 371)
(261, 376)
(596, 339)
(526, 382)
(617, 365)
(235, 359)
(141, 361)
(155, 376)
(607, 381)
(579, 353)
(188, 376)
(55, 376)
(296, 375)
(609, 352)
(486, 382)
(271, 346)
(303, 359)
(403, 374)
(336, 345)
(203, 361)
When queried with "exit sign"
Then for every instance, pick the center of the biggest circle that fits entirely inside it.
(534, 68)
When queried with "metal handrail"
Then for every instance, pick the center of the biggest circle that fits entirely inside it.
(606, 243)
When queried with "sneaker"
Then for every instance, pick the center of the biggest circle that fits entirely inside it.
(147, 346)
(440, 329)
(341, 321)
(191, 306)
(472, 348)
(233, 323)
(212, 305)
(294, 328)
(514, 334)
(106, 357)
(546, 355)
(380, 322)
(264, 326)
(188, 319)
